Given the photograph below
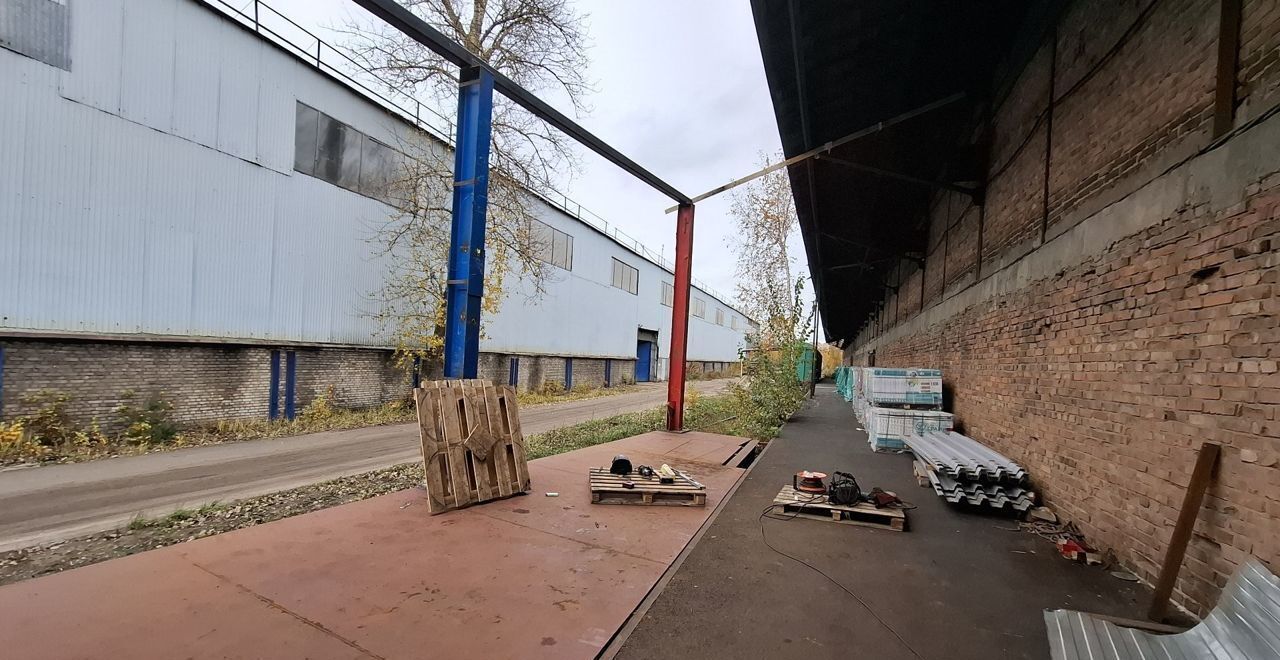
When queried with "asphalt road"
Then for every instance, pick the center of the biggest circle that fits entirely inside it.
(52, 503)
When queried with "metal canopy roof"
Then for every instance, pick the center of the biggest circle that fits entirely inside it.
(834, 68)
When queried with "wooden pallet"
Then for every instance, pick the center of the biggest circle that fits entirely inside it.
(607, 488)
(472, 447)
(798, 504)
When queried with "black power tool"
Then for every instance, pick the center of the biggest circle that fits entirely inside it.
(844, 489)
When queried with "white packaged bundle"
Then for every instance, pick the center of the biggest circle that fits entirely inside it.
(888, 428)
(916, 387)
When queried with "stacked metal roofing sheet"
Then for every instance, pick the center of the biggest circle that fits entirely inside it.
(964, 458)
(997, 496)
(961, 469)
(1245, 625)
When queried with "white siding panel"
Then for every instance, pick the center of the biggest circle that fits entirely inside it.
(173, 177)
(60, 239)
(15, 109)
(276, 113)
(233, 232)
(147, 62)
(196, 75)
(238, 97)
(97, 28)
(581, 313)
(329, 299)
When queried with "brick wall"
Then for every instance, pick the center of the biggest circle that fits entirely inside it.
(203, 381)
(1115, 302)
(1100, 136)
(359, 378)
(536, 370)
(1258, 82)
(208, 382)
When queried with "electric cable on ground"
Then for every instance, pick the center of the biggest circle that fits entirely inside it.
(768, 513)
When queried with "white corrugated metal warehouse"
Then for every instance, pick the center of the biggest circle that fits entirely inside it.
(161, 234)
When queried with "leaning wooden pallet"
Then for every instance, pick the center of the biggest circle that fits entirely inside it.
(805, 505)
(608, 488)
(472, 447)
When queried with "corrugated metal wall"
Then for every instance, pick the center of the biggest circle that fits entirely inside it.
(150, 190)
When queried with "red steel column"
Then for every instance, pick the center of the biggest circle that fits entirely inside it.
(680, 318)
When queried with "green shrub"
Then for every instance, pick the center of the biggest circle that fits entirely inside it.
(148, 424)
(770, 393)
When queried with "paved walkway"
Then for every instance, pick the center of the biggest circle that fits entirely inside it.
(56, 502)
(956, 585)
(526, 577)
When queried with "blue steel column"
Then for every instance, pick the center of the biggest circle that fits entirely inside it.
(290, 382)
(466, 248)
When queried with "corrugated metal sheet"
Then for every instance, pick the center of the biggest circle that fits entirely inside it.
(1245, 625)
(96, 35)
(963, 457)
(147, 62)
(995, 496)
(196, 67)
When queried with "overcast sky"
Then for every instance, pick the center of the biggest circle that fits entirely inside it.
(681, 90)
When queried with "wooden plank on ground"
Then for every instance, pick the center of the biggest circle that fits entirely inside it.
(475, 432)
(463, 485)
(1201, 475)
(499, 458)
(516, 446)
(434, 465)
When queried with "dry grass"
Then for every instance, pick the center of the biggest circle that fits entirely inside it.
(17, 447)
(553, 392)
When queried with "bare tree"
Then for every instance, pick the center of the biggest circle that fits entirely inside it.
(765, 218)
(539, 44)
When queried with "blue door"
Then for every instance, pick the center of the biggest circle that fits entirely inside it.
(644, 357)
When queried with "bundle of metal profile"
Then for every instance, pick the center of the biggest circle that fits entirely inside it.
(993, 495)
(964, 458)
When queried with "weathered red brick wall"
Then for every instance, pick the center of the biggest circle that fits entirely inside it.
(1111, 116)
(912, 292)
(962, 243)
(1104, 381)
(1103, 365)
(1259, 77)
(1015, 180)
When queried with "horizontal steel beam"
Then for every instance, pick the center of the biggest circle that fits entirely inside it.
(895, 250)
(879, 171)
(417, 29)
(828, 147)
